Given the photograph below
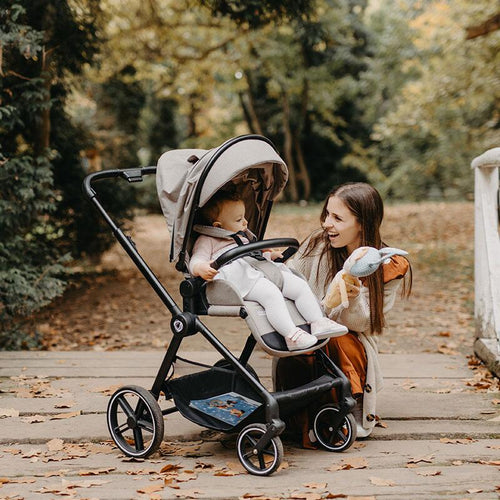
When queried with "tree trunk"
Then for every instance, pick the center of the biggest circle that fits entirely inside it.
(42, 141)
(255, 125)
(246, 114)
(288, 150)
(303, 174)
(191, 126)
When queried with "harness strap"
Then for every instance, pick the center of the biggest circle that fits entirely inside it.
(255, 259)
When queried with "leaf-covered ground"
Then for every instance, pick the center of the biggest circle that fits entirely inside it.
(115, 308)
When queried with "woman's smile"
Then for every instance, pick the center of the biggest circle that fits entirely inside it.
(341, 225)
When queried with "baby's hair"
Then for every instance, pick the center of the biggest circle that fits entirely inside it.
(211, 211)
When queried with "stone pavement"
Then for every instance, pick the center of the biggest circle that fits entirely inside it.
(440, 438)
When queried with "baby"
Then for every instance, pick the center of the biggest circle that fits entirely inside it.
(227, 211)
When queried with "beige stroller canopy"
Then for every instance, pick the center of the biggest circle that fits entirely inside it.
(187, 178)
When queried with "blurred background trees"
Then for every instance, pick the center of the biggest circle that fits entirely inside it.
(401, 93)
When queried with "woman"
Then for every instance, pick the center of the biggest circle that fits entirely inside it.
(351, 217)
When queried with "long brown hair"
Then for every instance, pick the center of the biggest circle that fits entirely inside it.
(365, 202)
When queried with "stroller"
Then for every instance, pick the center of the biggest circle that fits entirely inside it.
(228, 396)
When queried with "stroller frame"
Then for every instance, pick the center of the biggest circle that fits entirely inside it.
(259, 446)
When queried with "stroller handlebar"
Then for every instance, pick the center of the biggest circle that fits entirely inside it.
(241, 251)
(130, 174)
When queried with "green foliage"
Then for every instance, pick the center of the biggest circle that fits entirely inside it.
(30, 273)
(43, 217)
(258, 12)
(441, 99)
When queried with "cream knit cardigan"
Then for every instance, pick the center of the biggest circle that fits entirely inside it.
(356, 317)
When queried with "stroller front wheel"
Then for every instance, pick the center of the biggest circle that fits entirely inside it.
(135, 421)
(331, 434)
(261, 462)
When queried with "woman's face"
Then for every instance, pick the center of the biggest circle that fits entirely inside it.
(341, 225)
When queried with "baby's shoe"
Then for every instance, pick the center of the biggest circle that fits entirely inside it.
(300, 340)
(325, 328)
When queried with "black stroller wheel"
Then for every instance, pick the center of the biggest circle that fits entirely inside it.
(332, 438)
(223, 363)
(135, 421)
(259, 463)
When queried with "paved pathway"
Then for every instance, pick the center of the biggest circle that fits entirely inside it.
(441, 438)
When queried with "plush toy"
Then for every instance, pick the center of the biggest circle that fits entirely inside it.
(362, 262)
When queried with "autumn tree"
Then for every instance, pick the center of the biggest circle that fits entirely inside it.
(447, 112)
(290, 73)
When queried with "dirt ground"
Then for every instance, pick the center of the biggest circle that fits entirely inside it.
(115, 308)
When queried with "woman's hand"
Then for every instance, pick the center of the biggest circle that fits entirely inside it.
(205, 271)
(352, 285)
(342, 288)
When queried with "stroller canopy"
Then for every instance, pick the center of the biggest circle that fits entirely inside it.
(187, 178)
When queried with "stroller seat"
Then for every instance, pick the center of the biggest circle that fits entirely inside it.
(224, 300)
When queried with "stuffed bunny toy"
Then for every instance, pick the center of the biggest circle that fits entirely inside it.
(361, 263)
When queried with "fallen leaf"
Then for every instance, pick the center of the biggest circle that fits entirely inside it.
(352, 463)
(107, 391)
(34, 452)
(84, 484)
(315, 486)
(426, 458)
(61, 472)
(55, 444)
(474, 490)
(170, 468)
(96, 472)
(8, 412)
(188, 493)
(225, 472)
(203, 465)
(377, 481)
(66, 404)
(185, 476)
(457, 441)
(151, 489)
(421, 472)
(12, 451)
(297, 495)
(17, 480)
(34, 419)
(489, 462)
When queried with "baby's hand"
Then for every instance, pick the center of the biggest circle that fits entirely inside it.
(276, 254)
(205, 271)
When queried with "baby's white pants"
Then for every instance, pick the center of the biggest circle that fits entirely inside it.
(271, 298)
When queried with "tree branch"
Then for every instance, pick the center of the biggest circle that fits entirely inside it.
(488, 26)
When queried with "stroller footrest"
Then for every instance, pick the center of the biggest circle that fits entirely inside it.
(291, 400)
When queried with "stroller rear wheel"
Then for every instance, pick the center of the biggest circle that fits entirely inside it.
(332, 435)
(259, 462)
(135, 421)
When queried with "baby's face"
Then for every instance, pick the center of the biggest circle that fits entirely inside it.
(232, 216)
